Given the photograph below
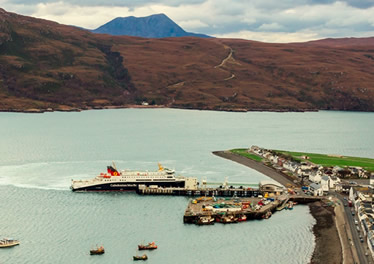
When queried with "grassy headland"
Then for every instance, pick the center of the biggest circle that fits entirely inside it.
(330, 160)
(244, 153)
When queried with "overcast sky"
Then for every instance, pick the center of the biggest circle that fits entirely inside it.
(263, 20)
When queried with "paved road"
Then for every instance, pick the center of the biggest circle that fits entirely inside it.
(361, 247)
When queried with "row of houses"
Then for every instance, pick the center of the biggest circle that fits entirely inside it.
(321, 179)
(363, 205)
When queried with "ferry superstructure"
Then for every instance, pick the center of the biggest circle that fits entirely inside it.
(129, 180)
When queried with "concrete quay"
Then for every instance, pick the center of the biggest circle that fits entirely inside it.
(222, 192)
(239, 209)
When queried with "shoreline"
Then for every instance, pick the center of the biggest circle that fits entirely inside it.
(132, 106)
(80, 109)
(328, 248)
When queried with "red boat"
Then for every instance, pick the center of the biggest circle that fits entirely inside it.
(242, 218)
(150, 246)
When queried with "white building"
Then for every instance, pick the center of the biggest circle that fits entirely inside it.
(316, 189)
(271, 187)
(315, 177)
(325, 183)
(334, 181)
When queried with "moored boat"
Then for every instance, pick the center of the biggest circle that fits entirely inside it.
(205, 220)
(97, 251)
(230, 219)
(143, 257)
(242, 218)
(267, 215)
(150, 246)
(8, 242)
(128, 180)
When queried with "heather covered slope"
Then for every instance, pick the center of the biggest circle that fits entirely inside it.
(226, 74)
(45, 64)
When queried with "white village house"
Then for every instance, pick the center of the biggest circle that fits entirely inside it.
(316, 189)
(325, 183)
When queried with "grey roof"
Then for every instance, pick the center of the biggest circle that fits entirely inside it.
(315, 186)
(325, 178)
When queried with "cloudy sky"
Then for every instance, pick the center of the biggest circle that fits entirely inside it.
(263, 20)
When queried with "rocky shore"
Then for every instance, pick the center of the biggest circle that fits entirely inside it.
(328, 248)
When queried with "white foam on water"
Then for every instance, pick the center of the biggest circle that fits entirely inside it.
(42, 175)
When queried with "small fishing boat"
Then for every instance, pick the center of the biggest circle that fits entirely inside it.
(267, 215)
(150, 246)
(290, 205)
(97, 251)
(143, 257)
(228, 219)
(8, 242)
(242, 218)
(205, 220)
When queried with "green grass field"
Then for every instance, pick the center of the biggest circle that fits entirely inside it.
(332, 160)
(244, 152)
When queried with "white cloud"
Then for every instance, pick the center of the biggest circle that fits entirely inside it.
(192, 24)
(272, 37)
(270, 20)
(270, 27)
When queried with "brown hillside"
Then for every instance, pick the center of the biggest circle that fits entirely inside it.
(45, 64)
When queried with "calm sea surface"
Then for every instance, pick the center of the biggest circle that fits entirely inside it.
(41, 153)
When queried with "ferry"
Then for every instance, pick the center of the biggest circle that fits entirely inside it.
(129, 180)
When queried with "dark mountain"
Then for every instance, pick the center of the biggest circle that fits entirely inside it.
(44, 65)
(154, 26)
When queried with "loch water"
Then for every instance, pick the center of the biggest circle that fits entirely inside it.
(41, 153)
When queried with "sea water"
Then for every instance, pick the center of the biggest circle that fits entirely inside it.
(41, 153)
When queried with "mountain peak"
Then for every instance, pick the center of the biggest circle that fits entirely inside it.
(153, 26)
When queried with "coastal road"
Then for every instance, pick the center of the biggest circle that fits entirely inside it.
(258, 166)
(361, 247)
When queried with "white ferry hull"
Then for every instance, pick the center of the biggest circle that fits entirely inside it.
(124, 186)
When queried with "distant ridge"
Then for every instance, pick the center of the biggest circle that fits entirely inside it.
(341, 42)
(154, 26)
(46, 66)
